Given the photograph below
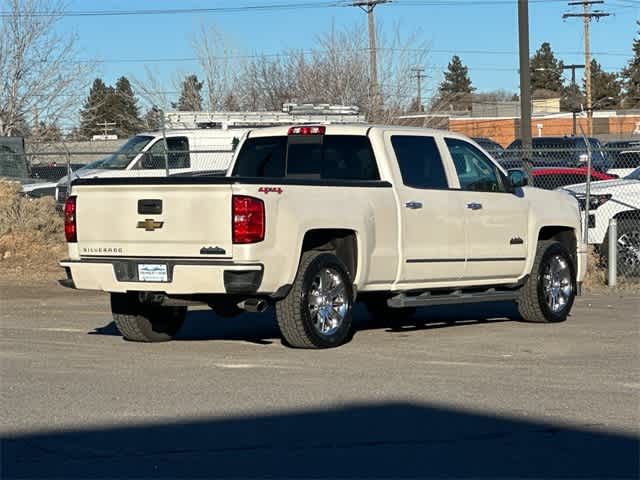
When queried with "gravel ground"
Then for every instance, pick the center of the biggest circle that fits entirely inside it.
(471, 394)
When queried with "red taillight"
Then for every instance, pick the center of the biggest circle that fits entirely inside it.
(70, 230)
(248, 219)
(308, 130)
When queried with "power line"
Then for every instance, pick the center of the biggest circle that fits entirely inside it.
(263, 8)
(178, 11)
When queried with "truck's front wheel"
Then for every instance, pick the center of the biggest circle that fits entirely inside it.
(317, 311)
(549, 292)
(141, 322)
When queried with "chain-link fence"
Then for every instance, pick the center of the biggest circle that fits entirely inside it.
(610, 189)
(605, 179)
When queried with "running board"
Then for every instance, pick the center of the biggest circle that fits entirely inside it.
(426, 299)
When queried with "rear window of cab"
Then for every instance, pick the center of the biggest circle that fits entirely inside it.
(328, 157)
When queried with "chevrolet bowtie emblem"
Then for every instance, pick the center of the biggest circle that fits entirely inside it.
(150, 225)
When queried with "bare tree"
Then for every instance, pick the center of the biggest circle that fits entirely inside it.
(215, 55)
(336, 71)
(153, 92)
(39, 72)
(268, 82)
(401, 50)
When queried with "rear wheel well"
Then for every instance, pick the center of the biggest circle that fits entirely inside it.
(341, 242)
(565, 235)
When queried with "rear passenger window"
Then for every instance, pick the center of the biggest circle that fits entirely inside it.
(349, 157)
(419, 161)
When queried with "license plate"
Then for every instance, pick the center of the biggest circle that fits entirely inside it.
(152, 273)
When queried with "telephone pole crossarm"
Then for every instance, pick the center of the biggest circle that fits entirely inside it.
(368, 5)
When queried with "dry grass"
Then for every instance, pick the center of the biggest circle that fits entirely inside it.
(596, 278)
(31, 235)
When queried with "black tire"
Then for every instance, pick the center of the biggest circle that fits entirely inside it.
(532, 303)
(382, 314)
(293, 312)
(628, 247)
(139, 322)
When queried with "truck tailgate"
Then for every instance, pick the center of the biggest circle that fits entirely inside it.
(170, 220)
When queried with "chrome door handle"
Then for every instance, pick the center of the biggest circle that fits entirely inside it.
(413, 205)
(474, 206)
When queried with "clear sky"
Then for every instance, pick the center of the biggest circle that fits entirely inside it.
(483, 33)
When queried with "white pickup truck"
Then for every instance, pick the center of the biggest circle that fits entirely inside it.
(310, 218)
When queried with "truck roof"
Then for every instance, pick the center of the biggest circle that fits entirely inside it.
(347, 129)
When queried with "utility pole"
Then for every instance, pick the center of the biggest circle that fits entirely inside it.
(368, 6)
(573, 94)
(525, 85)
(106, 126)
(419, 75)
(587, 15)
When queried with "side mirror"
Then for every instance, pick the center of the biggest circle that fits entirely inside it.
(583, 159)
(518, 178)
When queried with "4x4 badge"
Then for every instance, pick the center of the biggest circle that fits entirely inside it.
(267, 190)
(150, 225)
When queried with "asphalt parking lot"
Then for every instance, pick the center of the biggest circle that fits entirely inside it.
(470, 394)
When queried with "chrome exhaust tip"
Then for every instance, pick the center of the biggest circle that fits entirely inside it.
(253, 305)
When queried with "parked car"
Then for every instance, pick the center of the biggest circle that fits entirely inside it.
(143, 156)
(310, 218)
(551, 178)
(494, 148)
(52, 172)
(624, 157)
(619, 199)
(556, 152)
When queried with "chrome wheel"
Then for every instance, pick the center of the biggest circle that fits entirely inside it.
(629, 251)
(556, 283)
(328, 301)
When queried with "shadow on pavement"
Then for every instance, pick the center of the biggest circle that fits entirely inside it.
(262, 329)
(385, 440)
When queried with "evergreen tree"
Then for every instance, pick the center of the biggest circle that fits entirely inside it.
(95, 109)
(456, 88)
(605, 87)
(546, 70)
(631, 77)
(124, 108)
(572, 98)
(153, 119)
(190, 98)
